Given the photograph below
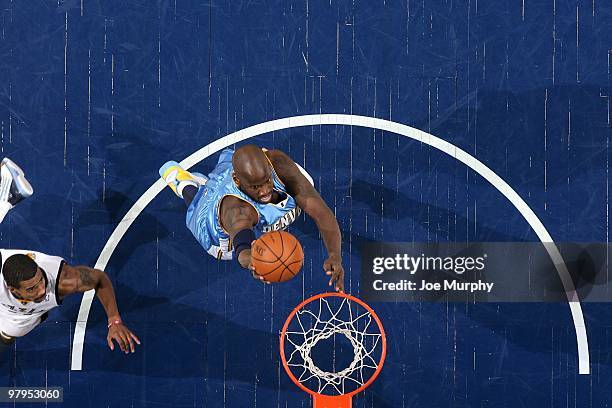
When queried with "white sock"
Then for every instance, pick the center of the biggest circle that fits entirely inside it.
(6, 179)
(5, 207)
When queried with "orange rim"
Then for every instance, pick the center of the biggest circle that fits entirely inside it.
(353, 299)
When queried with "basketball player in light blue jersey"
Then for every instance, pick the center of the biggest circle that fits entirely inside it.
(252, 191)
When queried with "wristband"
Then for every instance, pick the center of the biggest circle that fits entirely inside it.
(113, 323)
(242, 241)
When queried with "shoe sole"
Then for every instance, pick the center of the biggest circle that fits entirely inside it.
(23, 186)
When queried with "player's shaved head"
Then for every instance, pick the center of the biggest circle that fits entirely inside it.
(250, 163)
(253, 173)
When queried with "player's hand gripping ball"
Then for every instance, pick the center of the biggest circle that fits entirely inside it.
(277, 256)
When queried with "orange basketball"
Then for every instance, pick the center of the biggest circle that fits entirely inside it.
(277, 256)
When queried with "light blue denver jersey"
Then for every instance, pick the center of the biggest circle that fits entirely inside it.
(203, 213)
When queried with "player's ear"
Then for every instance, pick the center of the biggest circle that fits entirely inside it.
(235, 178)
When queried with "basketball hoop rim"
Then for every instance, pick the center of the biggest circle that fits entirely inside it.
(353, 299)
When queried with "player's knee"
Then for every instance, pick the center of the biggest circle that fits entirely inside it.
(6, 339)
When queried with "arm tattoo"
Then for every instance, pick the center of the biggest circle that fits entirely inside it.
(238, 213)
(85, 276)
(243, 211)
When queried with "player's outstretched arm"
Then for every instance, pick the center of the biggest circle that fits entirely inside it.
(238, 218)
(309, 200)
(77, 279)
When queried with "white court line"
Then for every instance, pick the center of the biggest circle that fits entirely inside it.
(347, 120)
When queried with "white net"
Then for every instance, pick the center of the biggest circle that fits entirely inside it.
(319, 324)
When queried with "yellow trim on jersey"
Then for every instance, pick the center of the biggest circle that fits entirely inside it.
(219, 210)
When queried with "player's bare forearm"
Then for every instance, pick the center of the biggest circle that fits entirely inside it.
(237, 215)
(75, 279)
(330, 233)
(309, 200)
(106, 296)
(117, 331)
(329, 229)
(96, 279)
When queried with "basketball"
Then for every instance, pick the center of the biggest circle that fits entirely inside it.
(277, 256)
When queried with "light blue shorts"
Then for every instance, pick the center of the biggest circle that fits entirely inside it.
(202, 212)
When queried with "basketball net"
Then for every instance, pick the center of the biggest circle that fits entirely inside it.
(319, 319)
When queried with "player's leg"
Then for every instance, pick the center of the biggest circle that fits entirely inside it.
(12, 327)
(193, 189)
(14, 187)
(184, 184)
(189, 193)
(6, 342)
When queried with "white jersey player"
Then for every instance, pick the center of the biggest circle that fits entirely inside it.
(33, 283)
(18, 316)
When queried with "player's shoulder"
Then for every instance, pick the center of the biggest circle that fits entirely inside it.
(278, 156)
(232, 201)
(68, 279)
(281, 161)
